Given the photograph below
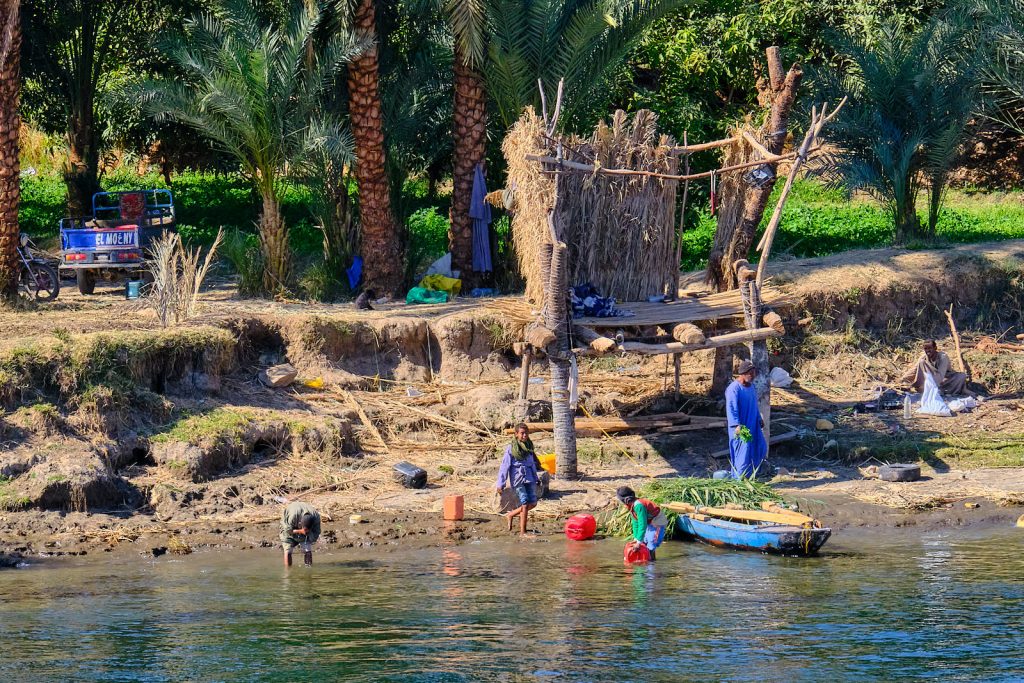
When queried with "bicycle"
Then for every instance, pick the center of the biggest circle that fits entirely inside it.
(37, 278)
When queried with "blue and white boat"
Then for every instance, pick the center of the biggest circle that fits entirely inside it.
(772, 530)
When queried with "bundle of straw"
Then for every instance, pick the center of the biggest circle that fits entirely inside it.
(620, 230)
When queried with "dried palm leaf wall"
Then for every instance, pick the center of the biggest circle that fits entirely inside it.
(619, 230)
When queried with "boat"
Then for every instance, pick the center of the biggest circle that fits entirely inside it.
(772, 529)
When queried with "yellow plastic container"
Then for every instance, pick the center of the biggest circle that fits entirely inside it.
(547, 461)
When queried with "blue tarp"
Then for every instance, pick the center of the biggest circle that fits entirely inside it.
(480, 212)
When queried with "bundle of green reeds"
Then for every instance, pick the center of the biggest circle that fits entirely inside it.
(748, 493)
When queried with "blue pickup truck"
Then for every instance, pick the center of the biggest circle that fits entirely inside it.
(112, 243)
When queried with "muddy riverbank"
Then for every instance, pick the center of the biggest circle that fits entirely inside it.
(117, 436)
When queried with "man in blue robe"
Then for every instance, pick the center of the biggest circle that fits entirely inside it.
(741, 411)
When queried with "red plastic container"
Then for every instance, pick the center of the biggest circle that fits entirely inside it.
(580, 527)
(636, 553)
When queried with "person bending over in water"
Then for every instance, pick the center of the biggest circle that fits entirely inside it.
(519, 469)
(300, 525)
(649, 520)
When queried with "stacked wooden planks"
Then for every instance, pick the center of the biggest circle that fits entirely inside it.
(669, 423)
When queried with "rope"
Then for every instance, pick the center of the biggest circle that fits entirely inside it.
(612, 438)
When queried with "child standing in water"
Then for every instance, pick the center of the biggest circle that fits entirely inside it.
(519, 469)
(648, 519)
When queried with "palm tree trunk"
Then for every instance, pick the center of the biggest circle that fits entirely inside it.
(10, 125)
(470, 113)
(274, 241)
(82, 174)
(381, 249)
(938, 186)
(556, 319)
(908, 225)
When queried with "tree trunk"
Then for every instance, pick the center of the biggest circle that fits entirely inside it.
(339, 237)
(744, 196)
(555, 313)
(10, 125)
(274, 241)
(381, 249)
(743, 200)
(470, 144)
(83, 171)
(935, 192)
(908, 225)
(721, 373)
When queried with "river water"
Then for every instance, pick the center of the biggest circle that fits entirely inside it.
(947, 605)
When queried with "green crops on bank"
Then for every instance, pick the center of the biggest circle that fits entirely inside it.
(696, 491)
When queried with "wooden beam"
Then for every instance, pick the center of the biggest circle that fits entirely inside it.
(756, 144)
(677, 365)
(802, 155)
(364, 418)
(661, 422)
(741, 337)
(719, 424)
(703, 146)
(567, 165)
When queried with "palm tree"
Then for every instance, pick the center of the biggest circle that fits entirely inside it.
(504, 47)
(255, 90)
(10, 124)
(381, 247)
(911, 95)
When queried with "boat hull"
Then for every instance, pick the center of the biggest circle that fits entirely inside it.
(766, 538)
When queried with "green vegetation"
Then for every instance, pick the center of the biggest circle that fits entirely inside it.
(749, 493)
(194, 428)
(111, 364)
(9, 499)
(817, 222)
(256, 90)
(910, 97)
(941, 452)
(259, 96)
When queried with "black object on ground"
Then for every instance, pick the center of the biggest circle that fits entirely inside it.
(888, 400)
(899, 472)
(410, 476)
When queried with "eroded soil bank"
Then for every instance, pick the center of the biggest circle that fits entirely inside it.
(119, 436)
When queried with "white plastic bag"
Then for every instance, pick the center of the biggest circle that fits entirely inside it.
(574, 384)
(778, 377)
(931, 401)
(442, 266)
(959, 405)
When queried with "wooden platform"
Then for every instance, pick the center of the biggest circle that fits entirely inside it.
(686, 309)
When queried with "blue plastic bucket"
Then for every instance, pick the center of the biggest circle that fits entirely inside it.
(132, 288)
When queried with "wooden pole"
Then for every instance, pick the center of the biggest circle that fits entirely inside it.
(561, 413)
(817, 122)
(962, 364)
(524, 377)
(682, 223)
(677, 362)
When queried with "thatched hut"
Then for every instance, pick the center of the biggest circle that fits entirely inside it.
(620, 230)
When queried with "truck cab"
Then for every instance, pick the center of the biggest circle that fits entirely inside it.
(113, 241)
